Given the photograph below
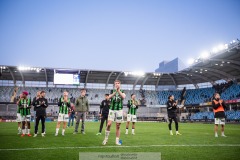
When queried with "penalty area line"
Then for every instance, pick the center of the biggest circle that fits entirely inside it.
(143, 146)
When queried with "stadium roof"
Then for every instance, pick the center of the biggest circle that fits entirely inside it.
(222, 65)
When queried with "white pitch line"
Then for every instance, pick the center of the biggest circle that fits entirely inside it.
(198, 145)
(145, 146)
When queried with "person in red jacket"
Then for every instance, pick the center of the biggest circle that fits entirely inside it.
(219, 114)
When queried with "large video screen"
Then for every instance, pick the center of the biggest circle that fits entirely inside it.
(63, 78)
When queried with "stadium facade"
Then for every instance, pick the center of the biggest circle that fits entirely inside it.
(149, 87)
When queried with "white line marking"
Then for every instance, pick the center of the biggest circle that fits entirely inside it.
(145, 146)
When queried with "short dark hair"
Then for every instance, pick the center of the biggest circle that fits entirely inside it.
(107, 94)
(83, 89)
(170, 96)
(132, 94)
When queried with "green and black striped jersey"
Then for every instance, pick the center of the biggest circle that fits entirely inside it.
(116, 101)
(132, 107)
(24, 106)
(18, 109)
(64, 106)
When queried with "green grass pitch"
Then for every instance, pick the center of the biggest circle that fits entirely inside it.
(196, 142)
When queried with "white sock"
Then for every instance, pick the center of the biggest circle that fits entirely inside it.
(107, 134)
(216, 133)
(28, 131)
(222, 133)
(23, 131)
(63, 131)
(176, 132)
(132, 130)
(126, 130)
(117, 140)
(57, 129)
(171, 132)
(19, 128)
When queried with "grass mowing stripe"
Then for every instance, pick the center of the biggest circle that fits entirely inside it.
(196, 143)
(181, 145)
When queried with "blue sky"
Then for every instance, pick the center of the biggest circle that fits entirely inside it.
(121, 35)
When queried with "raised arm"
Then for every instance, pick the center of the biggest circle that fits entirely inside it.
(111, 95)
(123, 95)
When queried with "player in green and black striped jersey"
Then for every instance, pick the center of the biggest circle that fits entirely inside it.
(116, 101)
(24, 105)
(115, 111)
(19, 118)
(64, 106)
(132, 110)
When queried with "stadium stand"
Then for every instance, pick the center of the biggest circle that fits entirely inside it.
(163, 96)
(150, 111)
(222, 86)
(197, 96)
(151, 88)
(230, 115)
(193, 96)
(5, 93)
(95, 96)
(232, 92)
(202, 115)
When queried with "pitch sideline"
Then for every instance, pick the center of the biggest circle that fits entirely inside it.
(143, 146)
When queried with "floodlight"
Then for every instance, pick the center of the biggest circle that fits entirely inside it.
(215, 50)
(205, 55)
(221, 47)
(138, 73)
(226, 46)
(190, 61)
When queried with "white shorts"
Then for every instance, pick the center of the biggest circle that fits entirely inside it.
(63, 117)
(26, 118)
(220, 121)
(116, 116)
(131, 118)
(19, 119)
